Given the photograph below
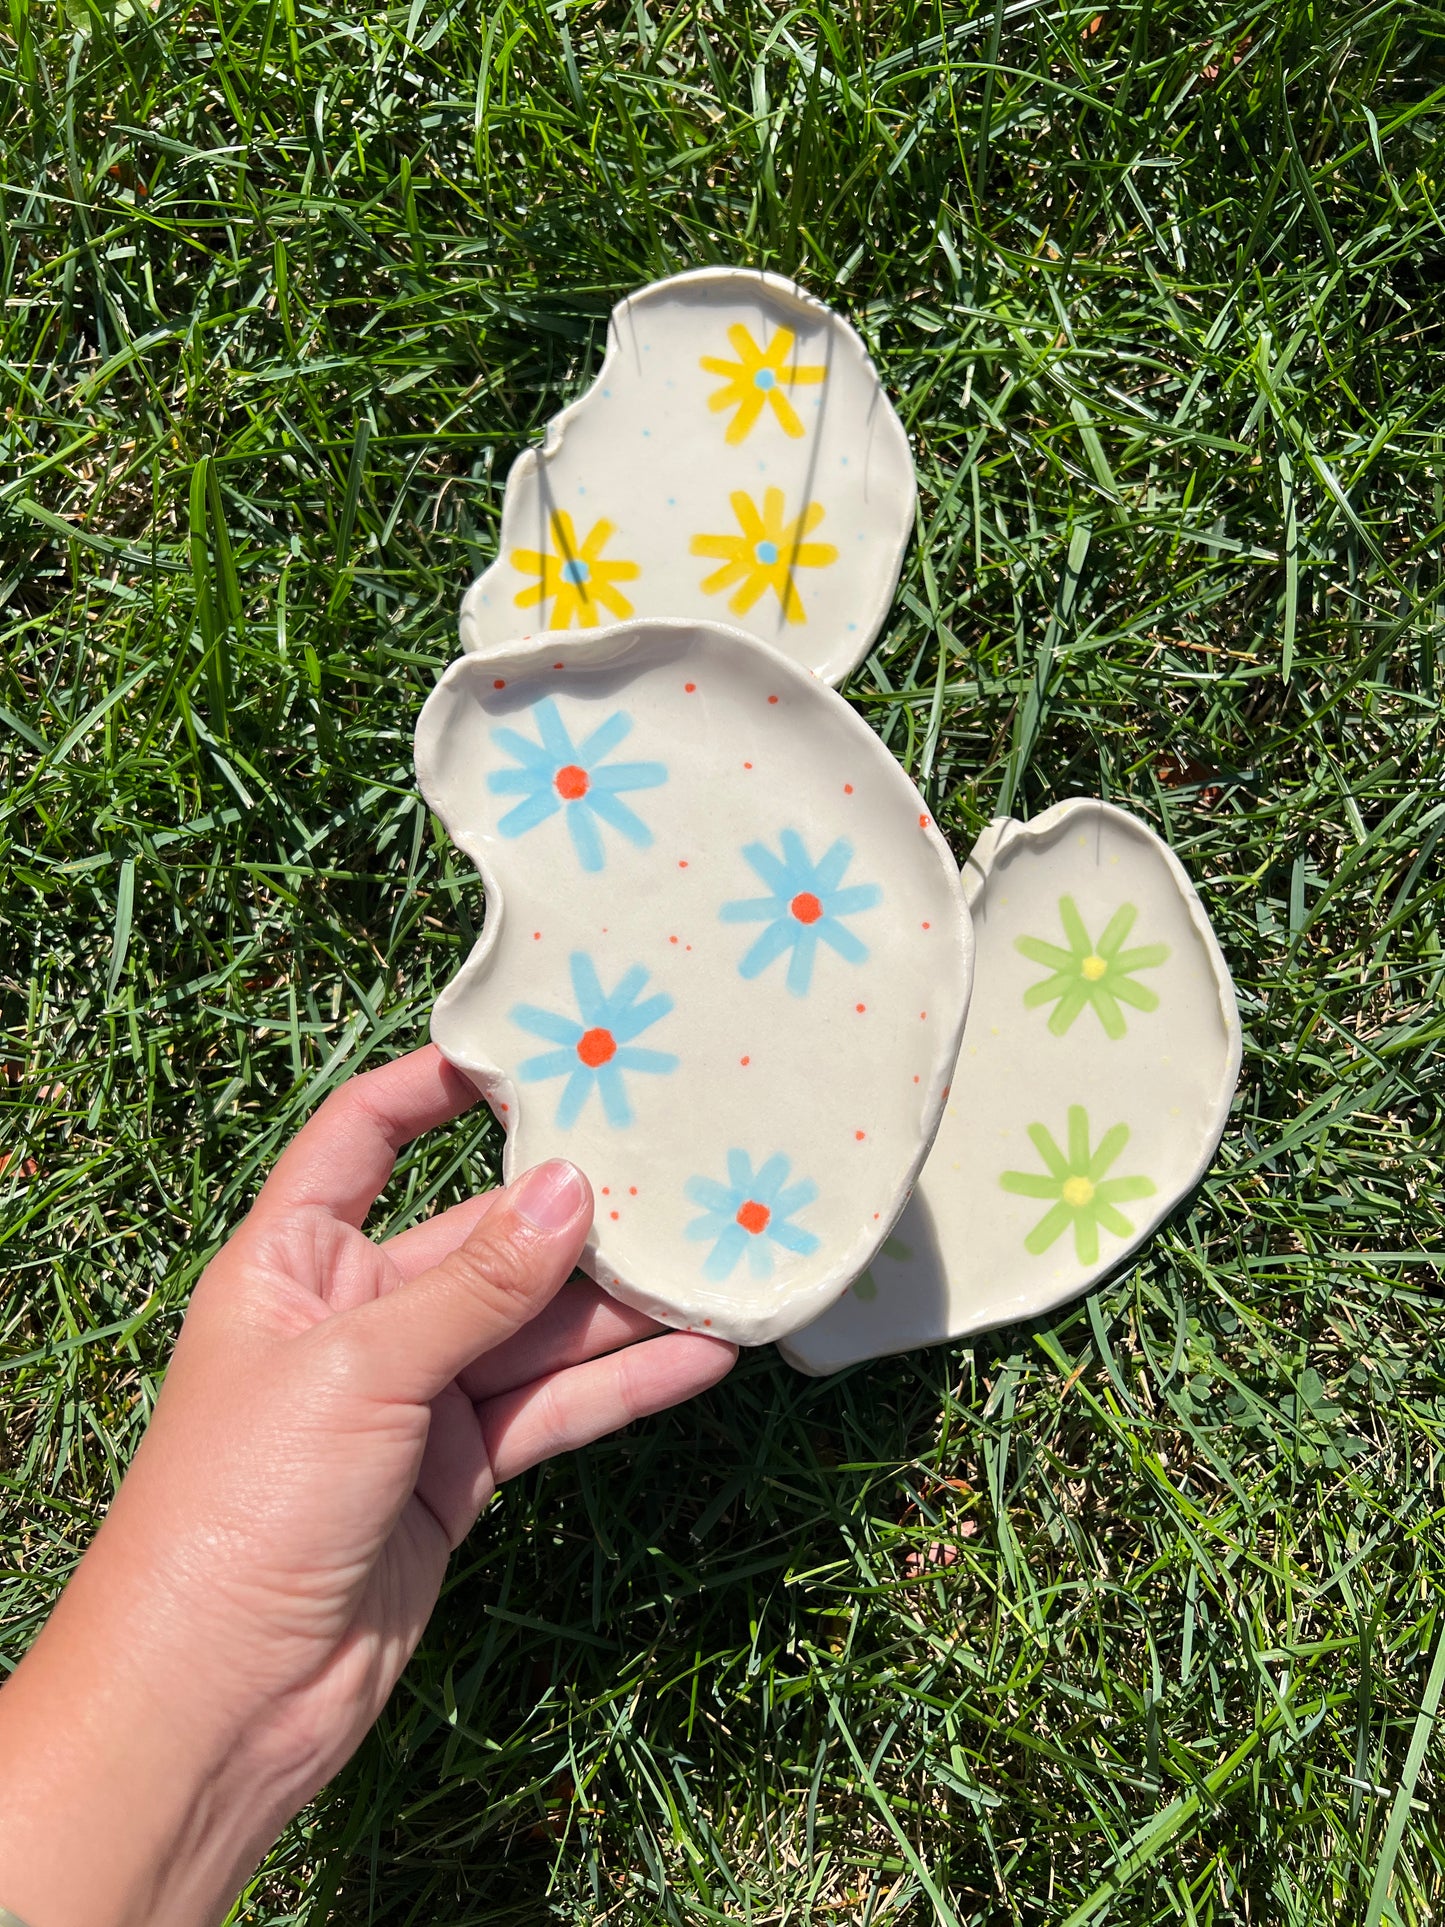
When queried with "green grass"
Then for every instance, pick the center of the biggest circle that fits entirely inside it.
(1128, 1615)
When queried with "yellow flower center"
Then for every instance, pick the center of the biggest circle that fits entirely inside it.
(1092, 968)
(1078, 1192)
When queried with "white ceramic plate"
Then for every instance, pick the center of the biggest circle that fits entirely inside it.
(736, 459)
(725, 962)
(1098, 1063)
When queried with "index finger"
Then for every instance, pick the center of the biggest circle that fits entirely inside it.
(342, 1157)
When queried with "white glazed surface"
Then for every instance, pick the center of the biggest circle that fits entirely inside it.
(832, 1055)
(958, 1261)
(657, 486)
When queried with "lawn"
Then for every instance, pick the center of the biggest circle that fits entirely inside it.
(1129, 1615)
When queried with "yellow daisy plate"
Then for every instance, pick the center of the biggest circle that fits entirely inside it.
(736, 459)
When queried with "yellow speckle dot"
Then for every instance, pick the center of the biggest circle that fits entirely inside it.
(1093, 968)
(1078, 1192)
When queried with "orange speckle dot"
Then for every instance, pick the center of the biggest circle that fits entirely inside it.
(875, 1217)
(747, 765)
(614, 1215)
(707, 1321)
(556, 665)
(926, 924)
(923, 1016)
(672, 940)
(946, 1089)
(860, 1008)
(571, 782)
(847, 789)
(806, 907)
(687, 946)
(500, 683)
(682, 865)
(632, 1190)
(504, 1107)
(745, 1060)
(607, 1190)
(753, 1216)
(536, 936)
(772, 699)
(923, 822)
(860, 1135)
(915, 1077)
(689, 687)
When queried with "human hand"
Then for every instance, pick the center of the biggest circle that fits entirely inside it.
(336, 1415)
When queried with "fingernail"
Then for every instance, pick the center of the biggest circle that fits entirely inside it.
(551, 1196)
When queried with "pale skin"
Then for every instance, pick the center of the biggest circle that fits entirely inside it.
(336, 1415)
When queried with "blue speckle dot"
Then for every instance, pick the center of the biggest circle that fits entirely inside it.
(845, 462)
(575, 571)
(852, 625)
(767, 553)
(647, 431)
(672, 501)
(606, 394)
(765, 379)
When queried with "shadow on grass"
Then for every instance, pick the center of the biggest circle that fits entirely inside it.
(614, 1614)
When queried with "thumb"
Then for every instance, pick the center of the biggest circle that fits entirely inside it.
(410, 1344)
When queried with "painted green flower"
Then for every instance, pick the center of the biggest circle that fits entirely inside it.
(1083, 1196)
(1092, 973)
(865, 1285)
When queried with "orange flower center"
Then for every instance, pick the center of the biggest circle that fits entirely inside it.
(571, 782)
(806, 907)
(596, 1047)
(753, 1216)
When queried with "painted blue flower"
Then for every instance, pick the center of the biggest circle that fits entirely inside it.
(558, 774)
(806, 907)
(596, 1051)
(749, 1213)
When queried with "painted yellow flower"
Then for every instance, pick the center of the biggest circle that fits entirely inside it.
(756, 379)
(583, 584)
(765, 554)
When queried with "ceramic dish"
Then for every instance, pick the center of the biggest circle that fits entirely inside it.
(725, 962)
(736, 459)
(1098, 1063)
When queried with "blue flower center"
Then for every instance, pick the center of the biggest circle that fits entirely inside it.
(765, 378)
(767, 553)
(575, 571)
